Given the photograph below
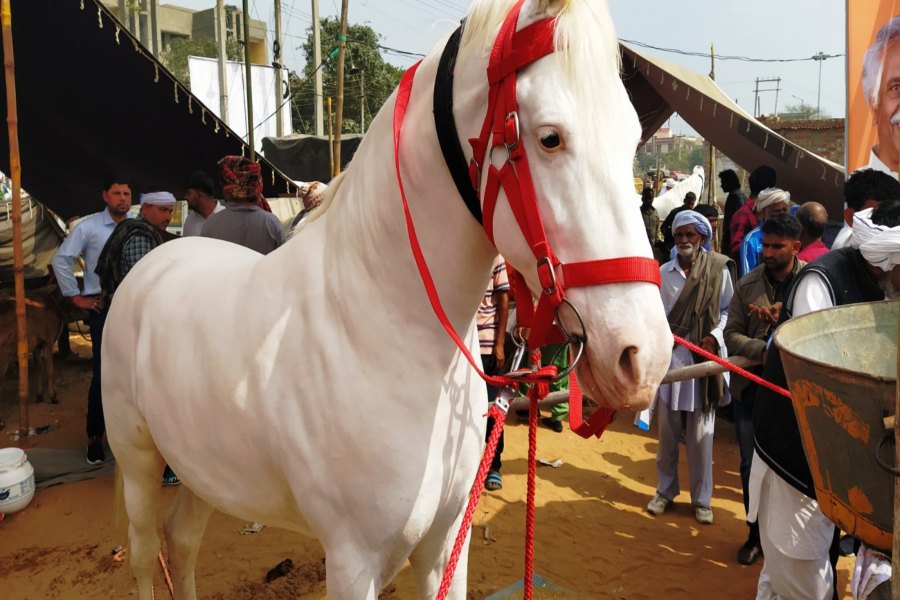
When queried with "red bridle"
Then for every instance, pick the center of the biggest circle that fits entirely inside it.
(512, 51)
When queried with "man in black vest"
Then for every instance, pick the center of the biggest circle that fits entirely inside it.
(796, 537)
(752, 315)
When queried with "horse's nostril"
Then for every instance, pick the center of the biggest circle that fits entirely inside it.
(627, 364)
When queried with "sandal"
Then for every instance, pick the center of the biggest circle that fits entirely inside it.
(493, 482)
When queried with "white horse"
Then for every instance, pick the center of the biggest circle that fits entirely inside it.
(313, 388)
(674, 197)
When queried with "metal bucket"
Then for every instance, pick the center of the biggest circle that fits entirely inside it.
(841, 366)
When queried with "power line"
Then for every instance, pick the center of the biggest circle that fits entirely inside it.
(819, 56)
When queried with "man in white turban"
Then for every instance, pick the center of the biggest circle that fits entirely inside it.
(796, 537)
(696, 291)
(130, 241)
(770, 202)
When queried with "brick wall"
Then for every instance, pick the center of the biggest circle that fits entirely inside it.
(824, 137)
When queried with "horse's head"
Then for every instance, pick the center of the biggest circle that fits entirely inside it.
(579, 133)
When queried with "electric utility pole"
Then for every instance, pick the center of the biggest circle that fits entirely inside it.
(245, 20)
(317, 76)
(819, 58)
(776, 89)
(279, 92)
(339, 110)
(223, 78)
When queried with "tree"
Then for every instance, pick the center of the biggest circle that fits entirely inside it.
(362, 63)
(794, 112)
(175, 57)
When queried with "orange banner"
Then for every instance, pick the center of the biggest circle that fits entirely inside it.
(864, 20)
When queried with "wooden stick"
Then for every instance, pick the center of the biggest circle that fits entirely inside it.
(895, 554)
(15, 167)
(705, 369)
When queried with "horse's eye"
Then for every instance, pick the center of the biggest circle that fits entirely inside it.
(549, 139)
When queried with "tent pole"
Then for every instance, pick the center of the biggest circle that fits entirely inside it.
(250, 141)
(15, 168)
(339, 111)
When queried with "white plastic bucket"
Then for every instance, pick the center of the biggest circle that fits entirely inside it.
(16, 480)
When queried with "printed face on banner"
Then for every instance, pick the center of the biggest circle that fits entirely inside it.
(886, 108)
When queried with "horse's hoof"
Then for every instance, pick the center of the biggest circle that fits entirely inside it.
(54, 400)
(38, 399)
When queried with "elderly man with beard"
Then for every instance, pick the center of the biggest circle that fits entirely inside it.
(797, 539)
(753, 312)
(696, 291)
(881, 87)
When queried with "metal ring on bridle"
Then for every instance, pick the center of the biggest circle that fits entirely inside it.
(889, 434)
(517, 338)
(571, 338)
(491, 154)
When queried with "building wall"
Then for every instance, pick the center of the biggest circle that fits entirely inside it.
(824, 137)
(176, 21)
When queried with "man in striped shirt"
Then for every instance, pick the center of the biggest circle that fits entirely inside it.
(491, 320)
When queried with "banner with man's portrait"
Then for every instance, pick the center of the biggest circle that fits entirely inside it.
(873, 82)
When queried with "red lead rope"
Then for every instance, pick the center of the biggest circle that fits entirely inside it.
(732, 367)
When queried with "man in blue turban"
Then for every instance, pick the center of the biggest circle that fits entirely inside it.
(696, 291)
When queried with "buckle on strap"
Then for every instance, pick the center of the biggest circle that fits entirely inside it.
(511, 131)
(546, 275)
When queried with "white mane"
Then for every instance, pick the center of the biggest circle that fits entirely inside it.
(585, 39)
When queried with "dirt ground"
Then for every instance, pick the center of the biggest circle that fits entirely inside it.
(592, 534)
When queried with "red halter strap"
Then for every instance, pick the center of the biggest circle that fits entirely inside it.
(512, 51)
(500, 131)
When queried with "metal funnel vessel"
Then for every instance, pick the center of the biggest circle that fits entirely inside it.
(841, 366)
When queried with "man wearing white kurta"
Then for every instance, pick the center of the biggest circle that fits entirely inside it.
(795, 535)
(696, 291)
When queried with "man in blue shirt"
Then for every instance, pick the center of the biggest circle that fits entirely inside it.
(86, 241)
(770, 202)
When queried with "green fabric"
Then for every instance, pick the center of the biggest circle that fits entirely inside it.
(558, 355)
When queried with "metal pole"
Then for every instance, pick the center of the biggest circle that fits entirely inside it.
(317, 77)
(820, 58)
(756, 99)
(279, 118)
(339, 110)
(777, 89)
(223, 78)
(362, 101)
(15, 167)
(249, 87)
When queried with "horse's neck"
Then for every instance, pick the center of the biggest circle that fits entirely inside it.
(367, 248)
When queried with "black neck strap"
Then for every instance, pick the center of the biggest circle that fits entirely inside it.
(446, 126)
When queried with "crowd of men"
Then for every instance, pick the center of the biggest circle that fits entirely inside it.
(775, 265)
(110, 243)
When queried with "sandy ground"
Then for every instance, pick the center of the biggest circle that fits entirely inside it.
(592, 534)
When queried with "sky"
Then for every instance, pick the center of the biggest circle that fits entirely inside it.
(760, 30)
